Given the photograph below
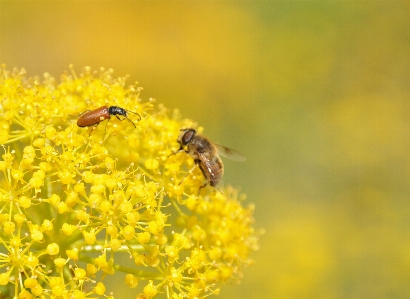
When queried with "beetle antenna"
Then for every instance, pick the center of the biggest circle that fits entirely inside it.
(132, 121)
(134, 113)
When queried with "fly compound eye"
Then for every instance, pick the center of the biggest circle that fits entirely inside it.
(188, 136)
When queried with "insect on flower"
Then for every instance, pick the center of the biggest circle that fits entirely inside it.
(94, 117)
(206, 155)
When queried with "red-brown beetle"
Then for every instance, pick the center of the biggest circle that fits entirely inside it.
(94, 117)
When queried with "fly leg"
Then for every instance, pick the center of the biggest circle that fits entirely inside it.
(189, 173)
(200, 188)
(198, 162)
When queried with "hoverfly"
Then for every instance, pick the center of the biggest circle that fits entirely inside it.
(206, 155)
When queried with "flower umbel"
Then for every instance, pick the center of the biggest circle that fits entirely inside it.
(75, 202)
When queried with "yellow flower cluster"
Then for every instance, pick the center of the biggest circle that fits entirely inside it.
(75, 203)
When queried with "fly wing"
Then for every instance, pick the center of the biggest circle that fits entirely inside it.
(212, 170)
(229, 153)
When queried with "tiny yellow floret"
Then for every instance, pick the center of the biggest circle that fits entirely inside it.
(68, 229)
(9, 227)
(47, 225)
(131, 281)
(59, 262)
(72, 254)
(36, 235)
(19, 218)
(151, 164)
(4, 278)
(25, 202)
(99, 288)
(150, 290)
(30, 283)
(144, 237)
(89, 237)
(53, 249)
(24, 294)
(79, 273)
(91, 269)
(128, 232)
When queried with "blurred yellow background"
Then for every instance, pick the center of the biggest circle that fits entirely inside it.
(315, 94)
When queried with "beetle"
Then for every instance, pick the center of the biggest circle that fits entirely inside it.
(94, 117)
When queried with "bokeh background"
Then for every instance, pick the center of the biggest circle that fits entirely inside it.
(315, 94)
